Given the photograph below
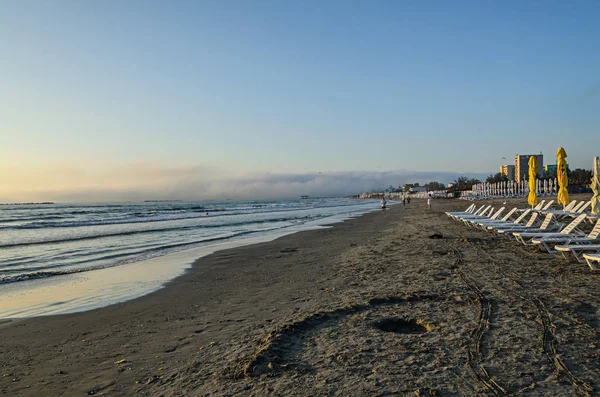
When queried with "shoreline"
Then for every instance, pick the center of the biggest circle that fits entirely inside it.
(83, 291)
(297, 316)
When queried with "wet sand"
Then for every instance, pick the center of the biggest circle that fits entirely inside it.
(306, 315)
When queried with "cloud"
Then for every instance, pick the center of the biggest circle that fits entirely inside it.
(150, 181)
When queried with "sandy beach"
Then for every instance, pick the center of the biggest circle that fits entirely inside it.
(309, 314)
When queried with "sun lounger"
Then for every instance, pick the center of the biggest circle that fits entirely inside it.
(567, 211)
(467, 220)
(499, 225)
(581, 210)
(568, 207)
(482, 215)
(457, 215)
(532, 224)
(527, 237)
(579, 245)
(538, 207)
(567, 241)
(577, 249)
(591, 260)
(469, 210)
(482, 224)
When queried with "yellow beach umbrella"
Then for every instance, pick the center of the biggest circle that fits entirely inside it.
(596, 187)
(563, 180)
(532, 198)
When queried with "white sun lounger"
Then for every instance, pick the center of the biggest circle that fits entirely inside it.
(576, 212)
(485, 223)
(527, 237)
(471, 210)
(577, 250)
(469, 220)
(569, 212)
(538, 207)
(579, 245)
(456, 215)
(583, 208)
(591, 260)
(567, 241)
(532, 224)
(568, 207)
(483, 215)
(517, 222)
(547, 206)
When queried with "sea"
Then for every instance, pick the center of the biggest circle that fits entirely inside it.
(51, 242)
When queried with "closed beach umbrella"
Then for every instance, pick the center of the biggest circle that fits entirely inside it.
(596, 187)
(563, 180)
(532, 198)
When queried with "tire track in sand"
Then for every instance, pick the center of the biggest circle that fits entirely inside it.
(549, 343)
(475, 357)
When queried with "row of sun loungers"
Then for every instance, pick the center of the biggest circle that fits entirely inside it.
(540, 226)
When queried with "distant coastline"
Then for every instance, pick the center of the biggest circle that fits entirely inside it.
(43, 203)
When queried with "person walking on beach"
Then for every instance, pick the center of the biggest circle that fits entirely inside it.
(403, 200)
(429, 201)
(408, 200)
(383, 203)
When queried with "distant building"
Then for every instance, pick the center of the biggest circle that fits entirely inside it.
(550, 170)
(417, 189)
(522, 166)
(450, 185)
(509, 171)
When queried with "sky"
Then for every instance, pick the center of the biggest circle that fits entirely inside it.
(120, 100)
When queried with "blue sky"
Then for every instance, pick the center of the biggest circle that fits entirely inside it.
(287, 87)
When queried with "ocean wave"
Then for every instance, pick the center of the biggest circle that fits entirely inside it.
(155, 230)
(145, 255)
(64, 217)
(144, 217)
(129, 219)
